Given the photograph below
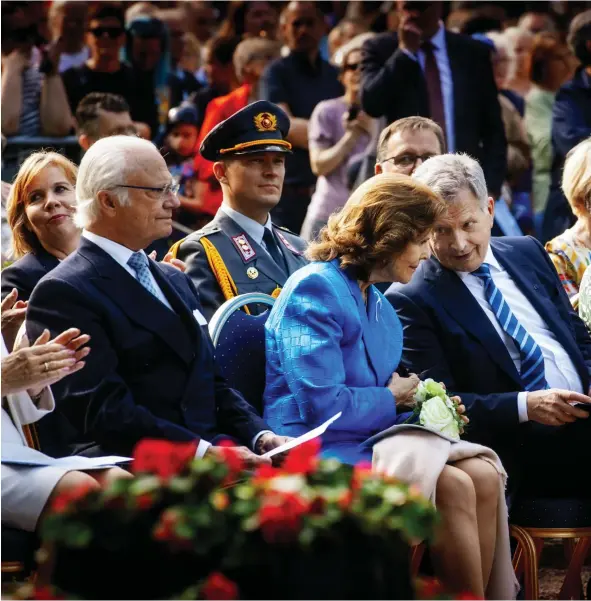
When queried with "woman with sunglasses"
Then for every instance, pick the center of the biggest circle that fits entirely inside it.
(339, 133)
(40, 213)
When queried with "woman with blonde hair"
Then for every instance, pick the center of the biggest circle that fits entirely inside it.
(334, 343)
(571, 251)
(40, 212)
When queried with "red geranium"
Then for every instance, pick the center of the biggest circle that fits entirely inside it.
(429, 588)
(280, 517)
(162, 457)
(231, 456)
(64, 501)
(303, 459)
(360, 472)
(263, 473)
(217, 586)
(46, 592)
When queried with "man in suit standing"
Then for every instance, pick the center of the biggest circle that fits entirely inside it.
(425, 70)
(249, 150)
(151, 372)
(489, 318)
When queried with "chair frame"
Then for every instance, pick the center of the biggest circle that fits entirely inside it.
(221, 316)
(527, 555)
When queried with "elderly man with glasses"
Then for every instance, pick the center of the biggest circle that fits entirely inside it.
(151, 373)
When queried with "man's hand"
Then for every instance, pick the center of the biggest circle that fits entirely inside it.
(267, 442)
(409, 35)
(13, 316)
(250, 459)
(180, 265)
(552, 407)
(16, 61)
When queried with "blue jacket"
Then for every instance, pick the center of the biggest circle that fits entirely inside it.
(448, 337)
(327, 352)
(151, 371)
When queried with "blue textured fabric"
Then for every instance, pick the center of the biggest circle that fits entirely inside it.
(329, 352)
(532, 359)
(139, 263)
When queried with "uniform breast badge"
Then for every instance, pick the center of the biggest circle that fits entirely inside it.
(252, 273)
(244, 247)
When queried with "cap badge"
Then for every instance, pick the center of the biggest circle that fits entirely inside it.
(252, 273)
(265, 122)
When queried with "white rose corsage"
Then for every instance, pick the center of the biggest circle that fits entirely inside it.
(437, 411)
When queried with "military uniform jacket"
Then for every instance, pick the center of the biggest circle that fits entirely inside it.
(250, 265)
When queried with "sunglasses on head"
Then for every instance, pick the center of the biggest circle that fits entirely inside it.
(112, 32)
(351, 66)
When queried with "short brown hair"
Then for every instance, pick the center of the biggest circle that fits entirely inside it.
(380, 219)
(408, 124)
(545, 47)
(23, 239)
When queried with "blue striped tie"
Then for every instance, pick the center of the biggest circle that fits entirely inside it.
(139, 263)
(532, 360)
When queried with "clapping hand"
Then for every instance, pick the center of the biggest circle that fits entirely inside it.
(180, 265)
(44, 363)
(13, 316)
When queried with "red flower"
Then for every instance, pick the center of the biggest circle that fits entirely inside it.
(45, 592)
(66, 499)
(162, 457)
(164, 530)
(344, 501)
(360, 472)
(429, 588)
(217, 586)
(231, 456)
(280, 517)
(303, 459)
(263, 473)
(144, 501)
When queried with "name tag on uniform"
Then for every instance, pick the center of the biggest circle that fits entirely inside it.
(199, 317)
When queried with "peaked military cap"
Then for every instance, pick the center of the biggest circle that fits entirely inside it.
(259, 127)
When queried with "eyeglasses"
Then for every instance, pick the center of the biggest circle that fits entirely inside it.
(409, 159)
(164, 190)
(351, 66)
(112, 32)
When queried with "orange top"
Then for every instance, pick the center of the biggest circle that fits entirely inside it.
(218, 110)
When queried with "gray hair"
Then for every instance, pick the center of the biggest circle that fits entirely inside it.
(251, 49)
(448, 174)
(105, 165)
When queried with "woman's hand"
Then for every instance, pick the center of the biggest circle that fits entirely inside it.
(13, 316)
(461, 410)
(404, 389)
(180, 265)
(45, 363)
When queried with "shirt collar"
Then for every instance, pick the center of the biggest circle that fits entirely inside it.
(489, 259)
(120, 253)
(438, 40)
(253, 228)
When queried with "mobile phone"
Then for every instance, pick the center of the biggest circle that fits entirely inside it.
(353, 112)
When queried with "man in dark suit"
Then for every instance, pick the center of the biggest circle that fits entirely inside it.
(249, 150)
(428, 71)
(151, 372)
(489, 318)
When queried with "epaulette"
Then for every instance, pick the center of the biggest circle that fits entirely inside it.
(207, 230)
(285, 229)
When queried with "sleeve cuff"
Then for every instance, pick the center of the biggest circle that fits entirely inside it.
(254, 440)
(202, 448)
(522, 407)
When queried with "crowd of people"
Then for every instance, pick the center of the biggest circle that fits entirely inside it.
(413, 190)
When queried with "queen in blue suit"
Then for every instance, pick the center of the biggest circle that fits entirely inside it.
(333, 342)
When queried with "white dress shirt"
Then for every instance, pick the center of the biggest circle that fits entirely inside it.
(446, 80)
(560, 371)
(121, 254)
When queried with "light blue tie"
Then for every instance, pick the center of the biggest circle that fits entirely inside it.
(139, 263)
(532, 359)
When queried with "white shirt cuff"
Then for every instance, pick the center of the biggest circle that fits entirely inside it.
(254, 440)
(409, 53)
(522, 407)
(202, 448)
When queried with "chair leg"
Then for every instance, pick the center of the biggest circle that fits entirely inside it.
(417, 553)
(572, 587)
(530, 561)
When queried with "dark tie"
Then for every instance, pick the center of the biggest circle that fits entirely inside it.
(434, 85)
(532, 359)
(273, 248)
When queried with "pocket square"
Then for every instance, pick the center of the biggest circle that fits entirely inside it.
(199, 317)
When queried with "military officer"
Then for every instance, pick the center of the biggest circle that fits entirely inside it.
(241, 250)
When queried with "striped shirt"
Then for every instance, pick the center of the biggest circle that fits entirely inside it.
(30, 123)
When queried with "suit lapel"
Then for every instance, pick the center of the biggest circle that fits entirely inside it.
(293, 257)
(463, 307)
(373, 346)
(140, 306)
(261, 258)
(46, 259)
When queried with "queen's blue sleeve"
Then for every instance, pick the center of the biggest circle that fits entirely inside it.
(309, 337)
